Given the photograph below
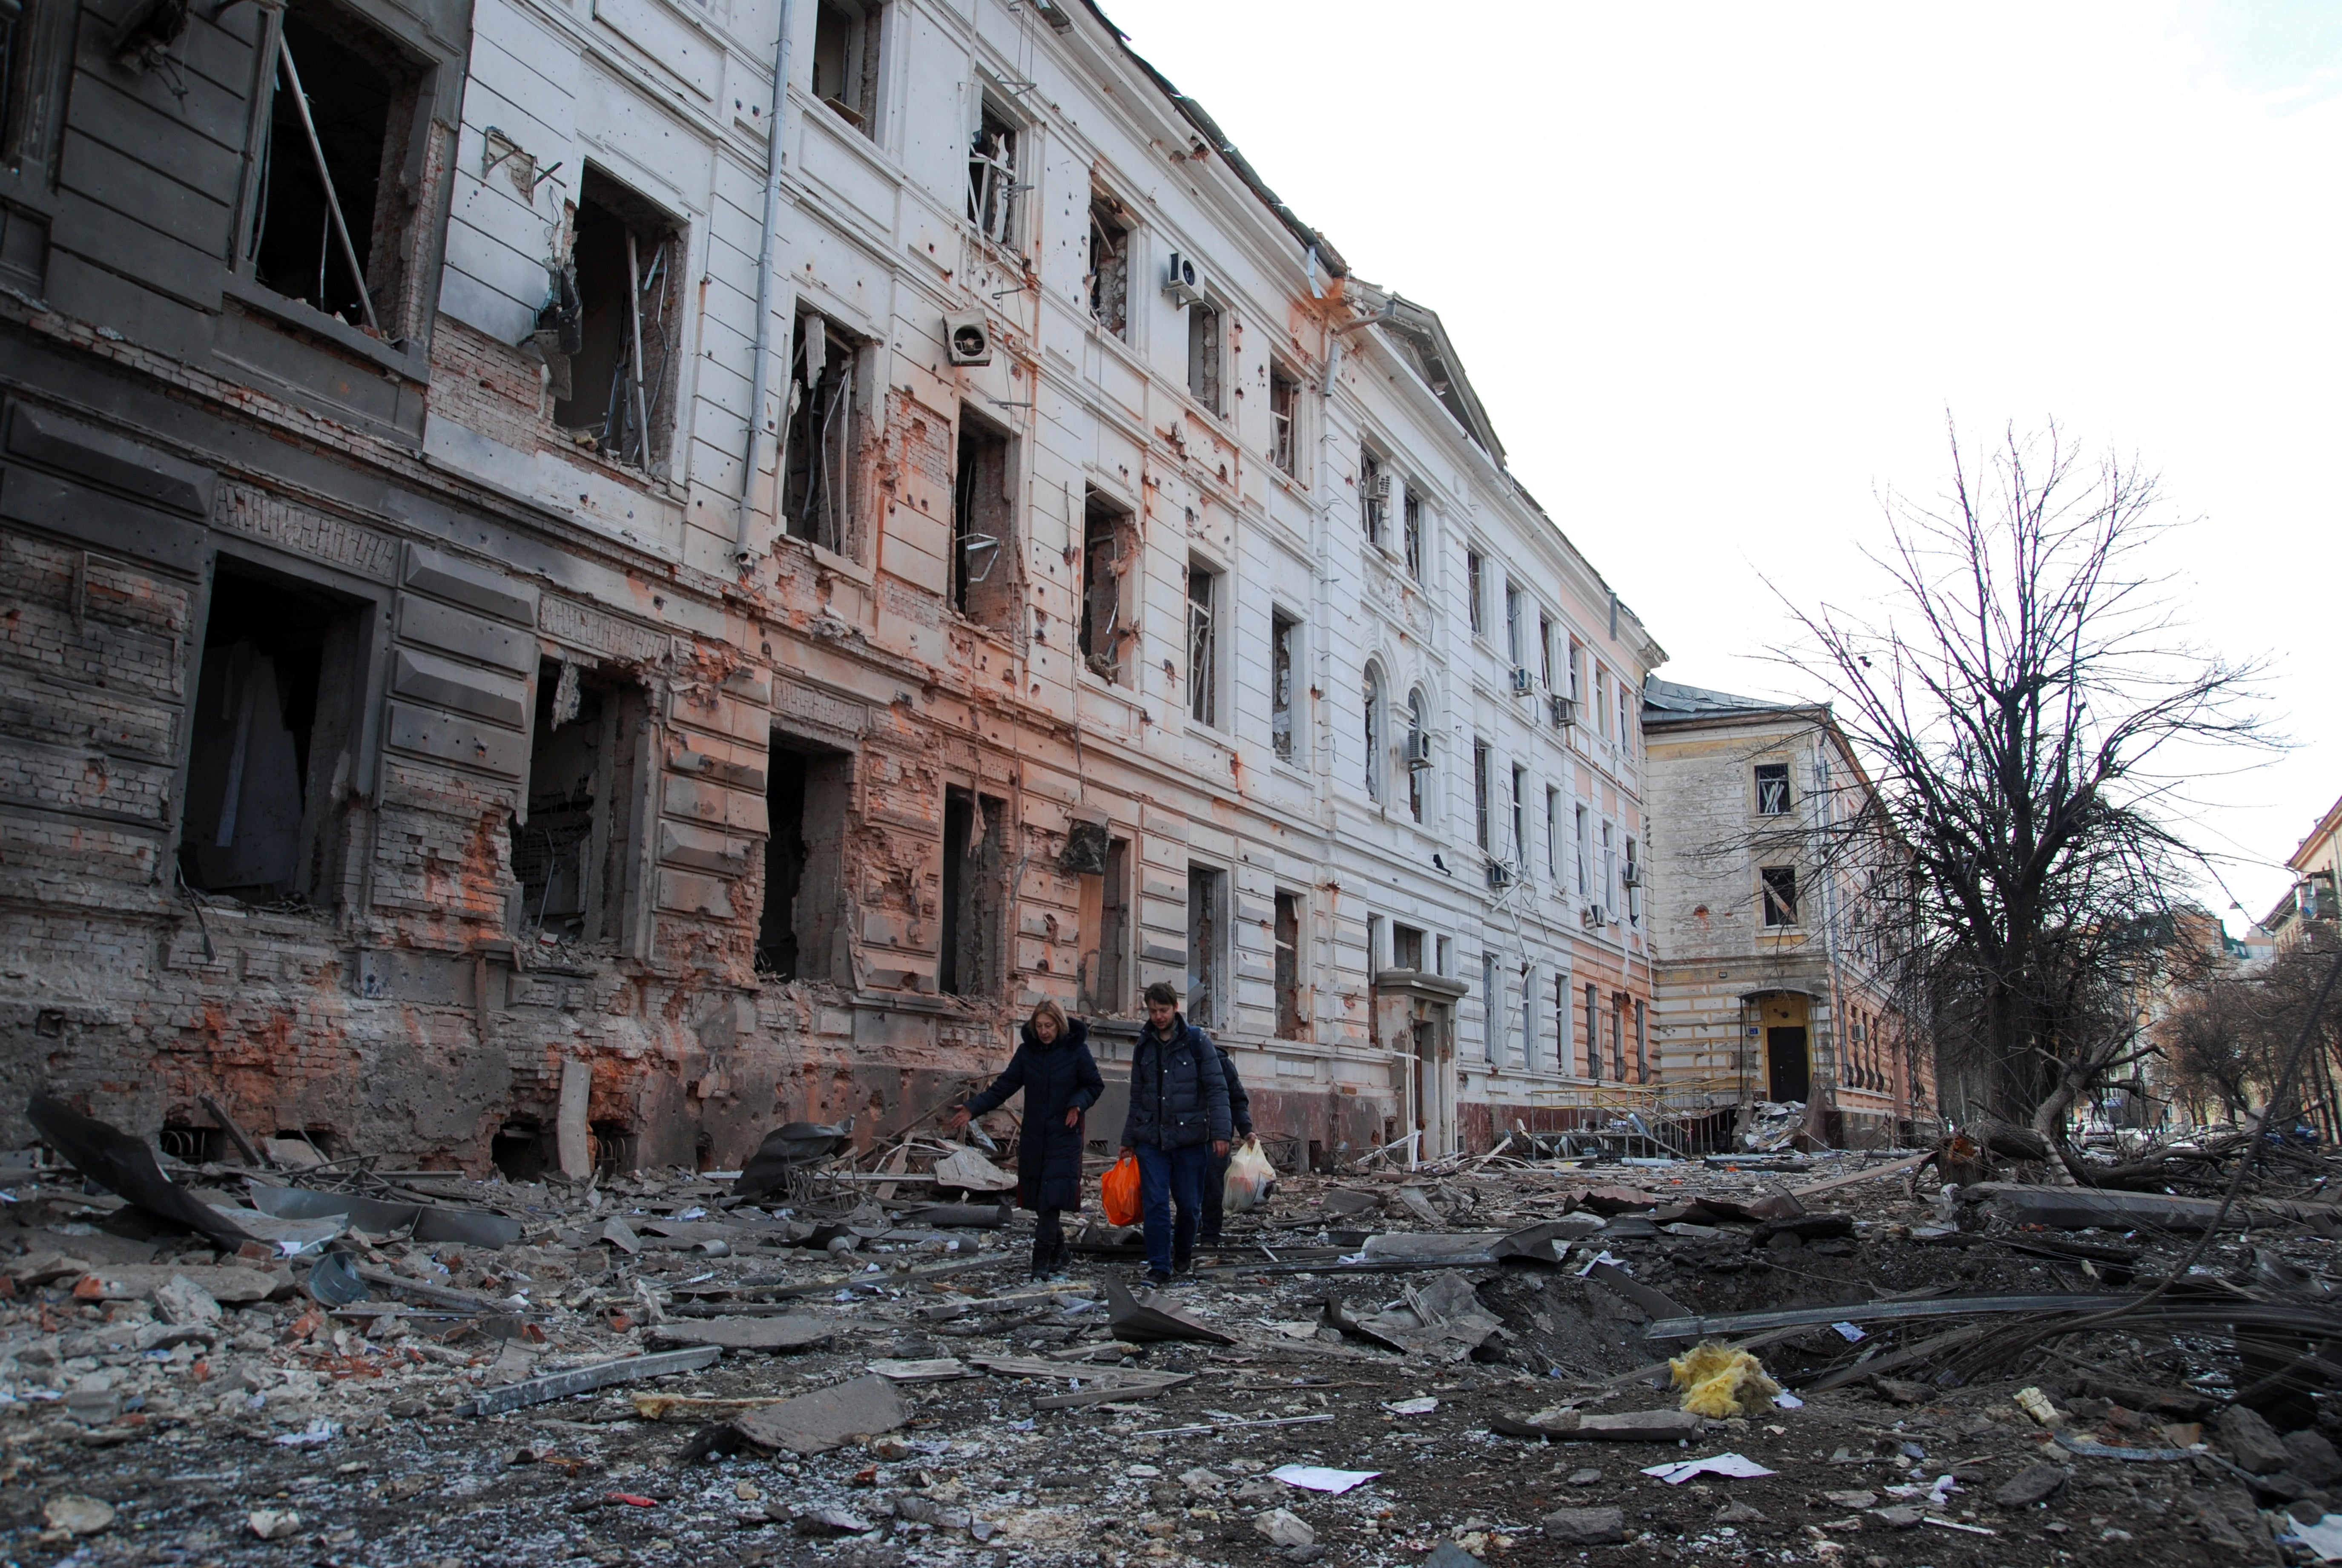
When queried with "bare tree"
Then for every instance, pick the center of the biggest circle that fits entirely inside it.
(2020, 692)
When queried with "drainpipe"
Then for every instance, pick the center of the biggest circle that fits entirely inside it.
(760, 381)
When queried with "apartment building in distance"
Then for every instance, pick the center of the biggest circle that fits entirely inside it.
(543, 634)
(2311, 902)
(1775, 912)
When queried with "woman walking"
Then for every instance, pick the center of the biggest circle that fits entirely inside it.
(1060, 1080)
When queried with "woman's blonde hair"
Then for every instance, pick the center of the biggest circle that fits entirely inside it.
(1047, 1008)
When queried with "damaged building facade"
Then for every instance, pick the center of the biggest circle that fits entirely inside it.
(534, 643)
(1785, 927)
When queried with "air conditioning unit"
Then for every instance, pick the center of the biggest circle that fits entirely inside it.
(1381, 488)
(1499, 874)
(1418, 749)
(1182, 281)
(967, 339)
(1631, 875)
(1521, 682)
(1592, 918)
(1564, 711)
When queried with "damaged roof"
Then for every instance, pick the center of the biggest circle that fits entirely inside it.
(1663, 700)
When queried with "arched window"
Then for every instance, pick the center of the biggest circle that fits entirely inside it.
(1375, 742)
(1418, 752)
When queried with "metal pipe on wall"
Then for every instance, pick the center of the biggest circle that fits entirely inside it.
(760, 379)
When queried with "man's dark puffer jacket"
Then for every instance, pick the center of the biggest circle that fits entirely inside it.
(1179, 1094)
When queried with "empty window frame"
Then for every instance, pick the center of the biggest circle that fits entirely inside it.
(1106, 978)
(1609, 865)
(1284, 412)
(1370, 702)
(800, 933)
(1206, 354)
(332, 221)
(1514, 648)
(1602, 701)
(1109, 278)
(1592, 1033)
(271, 739)
(993, 159)
(983, 545)
(573, 848)
(1411, 532)
(1777, 890)
(1561, 1023)
(845, 60)
(1772, 789)
(1284, 657)
(1553, 837)
(1375, 955)
(975, 894)
(1529, 1018)
(1475, 568)
(1626, 714)
(1545, 650)
(1481, 786)
(36, 60)
(821, 455)
(1109, 547)
(1520, 818)
(1443, 953)
(1577, 671)
(1618, 1037)
(1642, 1043)
(1204, 645)
(1406, 946)
(1287, 937)
(1208, 924)
(1490, 1046)
(1419, 753)
(1584, 852)
(611, 330)
(1374, 497)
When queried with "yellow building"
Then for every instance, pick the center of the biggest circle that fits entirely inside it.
(1777, 920)
(2316, 866)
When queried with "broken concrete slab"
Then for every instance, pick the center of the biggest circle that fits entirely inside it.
(965, 1168)
(2252, 1442)
(1142, 1319)
(1585, 1526)
(923, 1369)
(222, 1282)
(1624, 1426)
(792, 1330)
(2034, 1483)
(585, 1379)
(1431, 1246)
(827, 1418)
(1284, 1528)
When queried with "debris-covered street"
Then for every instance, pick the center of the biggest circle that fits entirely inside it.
(846, 1372)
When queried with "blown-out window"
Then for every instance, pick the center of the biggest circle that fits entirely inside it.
(823, 436)
(616, 319)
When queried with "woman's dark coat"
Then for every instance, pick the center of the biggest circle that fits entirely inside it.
(1055, 1078)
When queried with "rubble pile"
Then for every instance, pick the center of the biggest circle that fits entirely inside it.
(840, 1358)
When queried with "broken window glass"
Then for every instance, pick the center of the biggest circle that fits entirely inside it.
(1109, 542)
(1206, 939)
(824, 422)
(1370, 694)
(1205, 348)
(1772, 789)
(973, 893)
(1203, 645)
(1374, 496)
(1474, 570)
(1418, 752)
(800, 934)
(573, 845)
(1779, 885)
(1288, 939)
(613, 393)
(272, 737)
(330, 223)
(1110, 277)
(984, 586)
(992, 187)
(1283, 400)
(1411, 528)
(845, 41)
(1284, 634)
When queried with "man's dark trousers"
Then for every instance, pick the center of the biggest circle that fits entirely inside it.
(1169, 1178)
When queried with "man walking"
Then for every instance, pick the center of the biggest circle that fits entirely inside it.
(1215, 1175)
(1179, 1123)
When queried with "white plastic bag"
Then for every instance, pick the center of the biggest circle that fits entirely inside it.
(1250, 1178)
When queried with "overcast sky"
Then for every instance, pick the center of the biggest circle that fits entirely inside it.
(1721, 272)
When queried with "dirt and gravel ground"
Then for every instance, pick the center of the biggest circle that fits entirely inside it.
(340, 1437)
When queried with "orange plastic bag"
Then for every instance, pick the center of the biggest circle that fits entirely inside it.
(1118, 1192)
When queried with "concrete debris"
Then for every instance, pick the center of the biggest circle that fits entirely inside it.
(828, 1418)
(78, 1515)
(1283, 1528)
(931, 1399)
